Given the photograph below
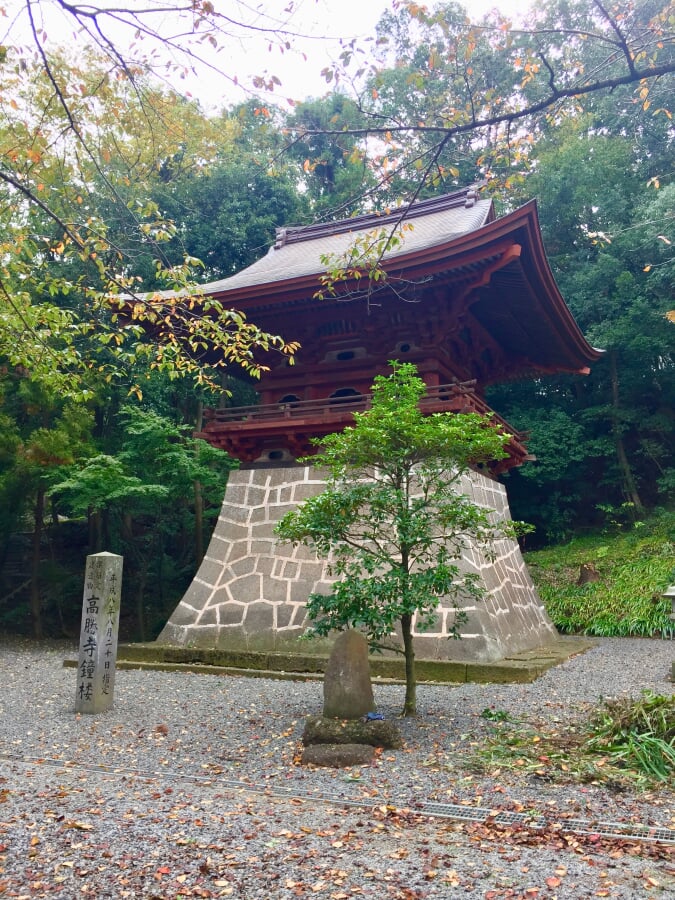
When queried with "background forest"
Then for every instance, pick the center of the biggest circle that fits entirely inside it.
(96, 421)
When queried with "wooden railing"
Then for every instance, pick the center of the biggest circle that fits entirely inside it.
(459, 396)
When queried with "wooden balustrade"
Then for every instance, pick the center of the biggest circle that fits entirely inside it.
(457, 397)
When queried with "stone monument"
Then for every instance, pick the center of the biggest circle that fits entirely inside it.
(98, 633)
(347, 690)
(346, 735)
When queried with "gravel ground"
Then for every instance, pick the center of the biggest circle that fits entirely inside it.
(188, 788)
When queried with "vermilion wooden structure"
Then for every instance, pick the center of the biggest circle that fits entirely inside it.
(468, 297)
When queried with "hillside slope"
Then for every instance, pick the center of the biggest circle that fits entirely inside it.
(628, 570)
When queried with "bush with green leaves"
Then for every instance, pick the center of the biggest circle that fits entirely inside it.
(392, 519)
(147, 502)
(637, 734)
(626, 742)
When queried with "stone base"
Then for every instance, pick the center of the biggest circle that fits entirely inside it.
(326, 730)
(251, 589)
(338, 756)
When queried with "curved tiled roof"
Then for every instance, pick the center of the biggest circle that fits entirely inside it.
(298, 252)
(494, 270)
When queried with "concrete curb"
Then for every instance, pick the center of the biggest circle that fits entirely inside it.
(520, 668)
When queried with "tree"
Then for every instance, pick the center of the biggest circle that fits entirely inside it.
(441, 84)
(391, 519)
(605, 440)
(41, 433)
(82, 147)
(336, 171)
(70, 131)
(146, 513)
(226, 210)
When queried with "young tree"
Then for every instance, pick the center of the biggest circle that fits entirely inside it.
(392, 520)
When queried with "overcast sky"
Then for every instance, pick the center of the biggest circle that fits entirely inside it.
(323, 23)
(315, 29)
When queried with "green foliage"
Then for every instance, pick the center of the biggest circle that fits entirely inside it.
(334, 166)
(605, 439)
(127, 483)
(40, 433)
(362, 260)
(84, 236)
(626, 743)
(637, 734)
(635, 567)
(142, 502)
(227, 209)
(393, 520)
(102, 482)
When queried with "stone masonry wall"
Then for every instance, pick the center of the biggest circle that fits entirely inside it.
(250, 590)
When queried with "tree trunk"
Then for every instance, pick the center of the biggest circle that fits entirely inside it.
(587, 573)
(621, 455)
(410, 705)
(94, 523)
(105, 531)
(141, 627)
(35, 597)
(199, 500)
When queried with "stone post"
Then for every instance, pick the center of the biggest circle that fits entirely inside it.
(669, 594)
(98, 634)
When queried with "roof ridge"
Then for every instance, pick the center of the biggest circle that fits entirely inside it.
(466, 197)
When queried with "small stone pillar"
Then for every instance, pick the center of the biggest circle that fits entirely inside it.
(347, 688)
(669, 594)
(98, 633)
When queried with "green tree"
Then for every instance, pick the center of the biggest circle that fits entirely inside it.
(335, 167)
(434, 64)
(392, 520)
(226, 210)
(41, 433)
(82, 152)
(603, 183)
(147, 513)
(71, 132)
(446, 89)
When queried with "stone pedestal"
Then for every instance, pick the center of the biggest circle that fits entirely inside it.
(251, 589)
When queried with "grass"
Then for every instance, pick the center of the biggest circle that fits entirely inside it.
(635, 566)
(637, 734)
(625, 744)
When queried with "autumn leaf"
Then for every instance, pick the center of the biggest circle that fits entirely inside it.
(79, 826)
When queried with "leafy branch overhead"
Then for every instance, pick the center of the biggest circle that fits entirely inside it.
(84, 143)
(362, 260)
(86, 138)
(436, 76)
(393, 520)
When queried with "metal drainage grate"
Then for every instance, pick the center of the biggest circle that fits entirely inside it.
(621, 830)
(616, 830)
